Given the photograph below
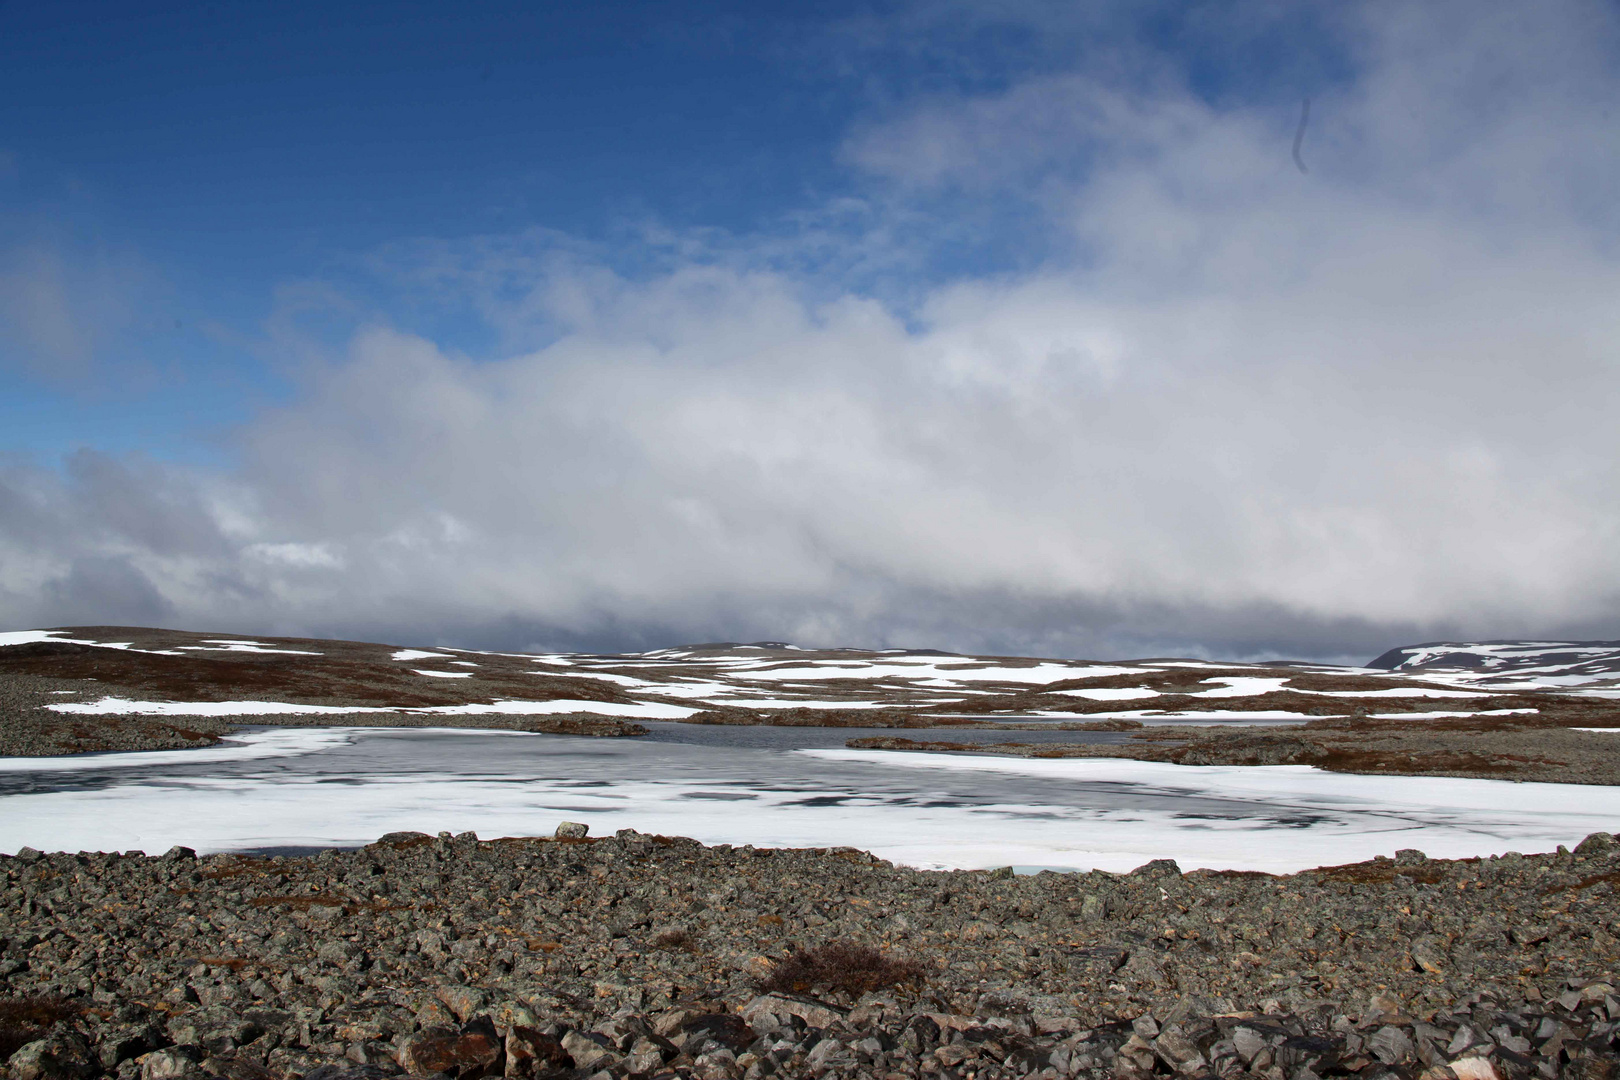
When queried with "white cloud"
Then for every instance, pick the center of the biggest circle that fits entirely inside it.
(1241, 409)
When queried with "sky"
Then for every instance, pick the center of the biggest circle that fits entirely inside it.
(1003, 326)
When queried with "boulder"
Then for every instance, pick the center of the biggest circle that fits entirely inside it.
(174, 1063)
(59, 1056)
(531, 1053)
(468, 1054)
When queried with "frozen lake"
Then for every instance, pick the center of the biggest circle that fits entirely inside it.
(290, 788)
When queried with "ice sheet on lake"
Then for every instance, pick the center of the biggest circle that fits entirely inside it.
(249, 746)
(916, 809)
(1445, 817)
(643, 710)
(442, 674)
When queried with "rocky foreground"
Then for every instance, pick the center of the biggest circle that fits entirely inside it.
(640, 956)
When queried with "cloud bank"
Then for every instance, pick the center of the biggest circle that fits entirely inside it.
(1230, 409)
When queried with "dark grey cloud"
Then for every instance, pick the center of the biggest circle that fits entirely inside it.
(1234, 411)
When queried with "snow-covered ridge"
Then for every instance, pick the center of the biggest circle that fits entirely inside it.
(250, 676)
(1509, 665)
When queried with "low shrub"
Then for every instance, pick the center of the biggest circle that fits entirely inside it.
(675, 939)
(841, 965)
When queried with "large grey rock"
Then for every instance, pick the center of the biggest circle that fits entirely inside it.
(465, 1002)
(1390, 1045)
(588, 1052)
(59, 1056)
(174, 1063)
(466, 1055)
(1178, 1051)
(531, 1053)
(779, 1007)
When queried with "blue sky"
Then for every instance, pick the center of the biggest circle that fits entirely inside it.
(218, 153)
(191, 163)
(1000, 325)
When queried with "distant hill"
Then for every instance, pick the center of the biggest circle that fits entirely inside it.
(1510, 664)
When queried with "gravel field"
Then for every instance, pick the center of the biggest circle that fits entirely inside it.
(638, 955)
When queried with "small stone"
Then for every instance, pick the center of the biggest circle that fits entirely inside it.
(572, 830)
(1158, 868)
(1390, 1045)
(1475, 1068)
(464, 1001)
(1057, 1025)
(1465, 1037)
(716, 1064)
(670, 1022)
(235, 1068)
(814, 1013)
(530, 1053)
(175, 1063)
(724, 1028)
(1178, 1051)
(586, 1051)
(1429, 954)
(1597, 991)
(1384, 1005)
(1247, 1042)
(645, 1056)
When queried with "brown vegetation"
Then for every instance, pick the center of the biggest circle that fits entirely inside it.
(24, 1018)
(841, 965)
